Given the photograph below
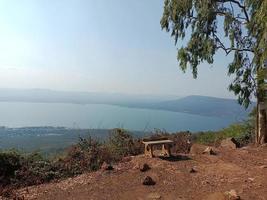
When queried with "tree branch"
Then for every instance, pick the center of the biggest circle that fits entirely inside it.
(229, 49)
(236, 18)
(243, 7)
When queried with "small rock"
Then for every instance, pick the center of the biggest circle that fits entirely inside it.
(229, 143)
(144, 167)
(193, 170)
(244, 151)
(106, 166)
(136, 166)
(263, 166)
(109, 168)
(209, 151)
(153, 196)
(19, 198)
(149, 181)
(197, 149)
(232, 195)
(251, 179)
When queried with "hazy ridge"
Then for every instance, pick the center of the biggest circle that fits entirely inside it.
(194, 104)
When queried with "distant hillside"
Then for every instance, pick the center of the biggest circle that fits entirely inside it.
(201, 105)
(53, 96)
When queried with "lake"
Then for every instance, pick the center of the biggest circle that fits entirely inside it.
(20, 114)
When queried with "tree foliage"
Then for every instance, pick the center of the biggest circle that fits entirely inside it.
(244, 27)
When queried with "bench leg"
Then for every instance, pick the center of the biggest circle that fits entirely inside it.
(166, 150)
(149, 150)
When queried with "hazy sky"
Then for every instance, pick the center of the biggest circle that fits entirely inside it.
(97, 45)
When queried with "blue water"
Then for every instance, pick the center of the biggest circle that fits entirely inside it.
(18, 114)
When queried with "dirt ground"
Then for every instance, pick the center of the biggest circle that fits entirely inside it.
(243, 170)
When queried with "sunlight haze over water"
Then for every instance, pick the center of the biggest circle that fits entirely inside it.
(102, 46)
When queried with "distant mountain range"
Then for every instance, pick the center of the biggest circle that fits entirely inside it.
(199, 105)
(53, 96)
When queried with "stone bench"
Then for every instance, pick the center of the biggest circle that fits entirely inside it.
(166, 145)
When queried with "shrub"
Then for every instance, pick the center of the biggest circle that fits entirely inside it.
(10, 162)
(182, 142)
(87, 155)
(121, 144)
(35, 170)
(208, 137)
(19, 170)
(240, 132)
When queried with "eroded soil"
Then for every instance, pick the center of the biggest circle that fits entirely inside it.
(243, 170)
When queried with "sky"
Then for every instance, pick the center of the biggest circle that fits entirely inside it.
(114, 46)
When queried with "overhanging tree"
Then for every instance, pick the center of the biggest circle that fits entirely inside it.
(244, 27)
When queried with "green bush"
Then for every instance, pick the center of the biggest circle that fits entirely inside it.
(208, 137)
(240, 131)
(20, 169)
(10, 162)
(87, 155)
(35, 170)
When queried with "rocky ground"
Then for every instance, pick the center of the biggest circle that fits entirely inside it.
(230, 174)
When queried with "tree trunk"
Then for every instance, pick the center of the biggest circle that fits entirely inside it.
(261, 126)
(261, 119)
(257, 125)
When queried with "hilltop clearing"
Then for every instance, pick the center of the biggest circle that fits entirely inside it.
(242, 171)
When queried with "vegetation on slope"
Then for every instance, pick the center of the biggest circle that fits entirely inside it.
(243, 133)
(19, 169)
